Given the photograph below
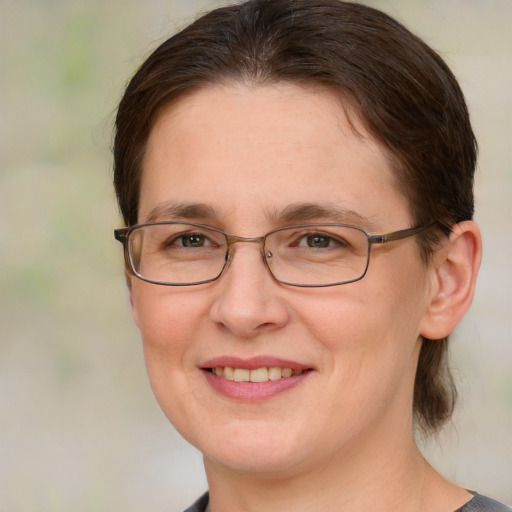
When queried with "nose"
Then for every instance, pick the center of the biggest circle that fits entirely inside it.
(248, 300)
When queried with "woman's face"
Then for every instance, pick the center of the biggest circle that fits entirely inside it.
(248, 160)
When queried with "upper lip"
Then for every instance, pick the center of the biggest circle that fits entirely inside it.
(253, 363)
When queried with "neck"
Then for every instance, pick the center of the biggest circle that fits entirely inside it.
(384, 476)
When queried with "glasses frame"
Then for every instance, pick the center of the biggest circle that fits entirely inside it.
(123, 234)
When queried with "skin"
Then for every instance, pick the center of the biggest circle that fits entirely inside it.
(347, 428)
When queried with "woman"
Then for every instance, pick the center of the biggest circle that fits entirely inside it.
(296, 180)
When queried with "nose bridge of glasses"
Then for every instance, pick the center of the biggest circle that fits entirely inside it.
(231, 240)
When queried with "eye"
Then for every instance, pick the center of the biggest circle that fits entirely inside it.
(317, 241)
(190, 241)
(320, 241)
(193, 240)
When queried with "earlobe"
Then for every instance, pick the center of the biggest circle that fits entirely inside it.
(455, 269)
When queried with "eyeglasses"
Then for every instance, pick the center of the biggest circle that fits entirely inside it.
(307, 255)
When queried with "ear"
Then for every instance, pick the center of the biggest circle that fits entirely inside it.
(454, 271)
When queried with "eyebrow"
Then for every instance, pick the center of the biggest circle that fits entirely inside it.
(295, 213)
(169, 210)
(303, 212)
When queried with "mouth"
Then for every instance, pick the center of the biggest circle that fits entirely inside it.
(263, 374)
(255, 379)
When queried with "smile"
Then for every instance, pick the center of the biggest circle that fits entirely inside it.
(255, 379)
(263, 374)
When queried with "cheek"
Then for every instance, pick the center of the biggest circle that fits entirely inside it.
(162, 315)
(371, 327)
(370, 337)
(167, 322)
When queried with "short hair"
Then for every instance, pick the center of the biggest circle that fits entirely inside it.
(402, 91)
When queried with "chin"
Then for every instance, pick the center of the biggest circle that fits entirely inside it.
(254, 461)
(254, 449)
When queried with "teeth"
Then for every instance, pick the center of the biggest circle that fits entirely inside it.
(257, 375)
(286, 372)
(274, 373)
(241, 375)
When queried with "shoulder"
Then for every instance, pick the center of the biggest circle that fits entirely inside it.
(201, 504)
(481, 503)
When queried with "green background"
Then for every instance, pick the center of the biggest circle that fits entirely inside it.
(79, 428)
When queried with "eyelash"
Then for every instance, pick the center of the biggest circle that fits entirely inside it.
(330, 239)
(206, 241)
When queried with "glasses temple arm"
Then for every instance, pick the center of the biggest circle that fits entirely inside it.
(121, 234)
(396, 235)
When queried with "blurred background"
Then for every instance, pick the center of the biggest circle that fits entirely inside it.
(79, 427)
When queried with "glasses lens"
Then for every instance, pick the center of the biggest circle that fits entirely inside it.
(177, 253)
(318, 254)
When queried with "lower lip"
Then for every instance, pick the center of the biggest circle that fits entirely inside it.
(253, 391)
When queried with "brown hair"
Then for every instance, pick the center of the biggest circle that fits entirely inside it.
(403, 92)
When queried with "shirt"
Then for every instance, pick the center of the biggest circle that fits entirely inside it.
(478, 503)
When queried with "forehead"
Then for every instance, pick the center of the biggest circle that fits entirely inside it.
(236, 146)
(275, 107)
